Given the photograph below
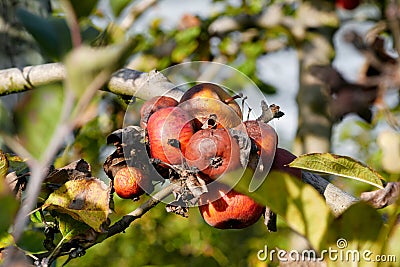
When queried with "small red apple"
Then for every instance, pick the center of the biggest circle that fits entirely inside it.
(213, 152)
(227, 209)
(131, 182)
(168, 124)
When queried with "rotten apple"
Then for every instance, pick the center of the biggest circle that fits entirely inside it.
(227, 209)
(164, 125)
(213, 152)
(131, 182)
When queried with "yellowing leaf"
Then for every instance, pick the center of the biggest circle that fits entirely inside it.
(338, 165)
(85, 200)
(299, 204)
(3, 167)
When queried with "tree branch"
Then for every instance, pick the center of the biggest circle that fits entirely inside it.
(125, 82)
(125, 221)
(335, 198)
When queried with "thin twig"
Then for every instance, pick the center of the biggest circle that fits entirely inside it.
(392, 14)
(135, 12)
(73, 23)
(124, 223)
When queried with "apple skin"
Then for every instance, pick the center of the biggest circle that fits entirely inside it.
(282, 159)
(265, 139)
(131, 182)
(213, 152)
(152, 105)
(205, 99)
(223, 208)
(348, 4)
(165, 124)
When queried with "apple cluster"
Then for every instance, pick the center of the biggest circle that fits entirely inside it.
(197, 140)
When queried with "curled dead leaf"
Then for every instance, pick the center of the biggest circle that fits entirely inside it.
(382, 197)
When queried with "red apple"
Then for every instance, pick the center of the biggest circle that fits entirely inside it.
(227, 209)
(131, 182)
(213, 152)
(167, 124)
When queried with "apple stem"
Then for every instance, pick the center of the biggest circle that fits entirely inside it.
(229, 100)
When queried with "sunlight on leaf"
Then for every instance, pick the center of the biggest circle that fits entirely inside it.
(353, 233)
(6, 240)
(3, 168)
(338, 165)
(85, 200)
(300, 205)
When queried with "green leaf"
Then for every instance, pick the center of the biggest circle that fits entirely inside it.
(71, 228)
(36, 217)
(188, 35)
(248, 67)
(85, 200)
(356, 230)
(9, 207)
(89, 34)
(6, 240)
(393, 247)
(299, 204)
(38, 117)
(83, 8)
(118, 5)
(183, 51)
(253, 49)
(52, 34)
(344, 166)
(32, 241)
(17, 164)
(92, 62)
